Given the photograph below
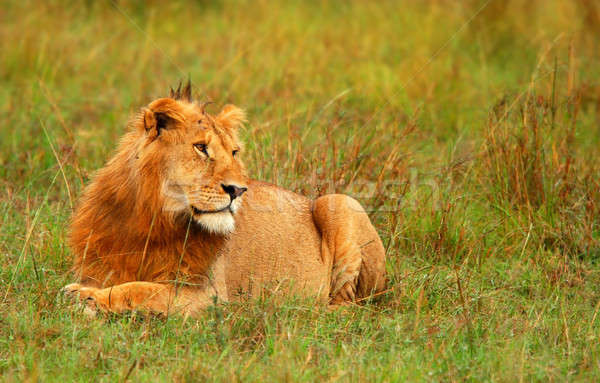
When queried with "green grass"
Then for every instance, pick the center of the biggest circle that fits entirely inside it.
(469, 130)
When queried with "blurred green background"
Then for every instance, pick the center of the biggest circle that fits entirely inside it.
(468, 129)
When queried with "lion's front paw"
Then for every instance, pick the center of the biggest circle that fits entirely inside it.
(75, 290)
(83, 295)
(71, 289)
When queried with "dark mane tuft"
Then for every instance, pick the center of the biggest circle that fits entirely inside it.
(182, 94)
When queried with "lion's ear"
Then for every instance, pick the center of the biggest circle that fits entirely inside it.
(231, 117)
(159, 115)
(155, 122)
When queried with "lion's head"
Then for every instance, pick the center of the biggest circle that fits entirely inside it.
(195, 157)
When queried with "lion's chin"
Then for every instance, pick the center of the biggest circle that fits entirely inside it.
(216, 223)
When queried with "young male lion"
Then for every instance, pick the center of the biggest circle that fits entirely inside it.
(172, 221)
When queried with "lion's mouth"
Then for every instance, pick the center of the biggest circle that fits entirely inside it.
(199, 211)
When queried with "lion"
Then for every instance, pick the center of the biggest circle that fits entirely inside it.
(172, 222)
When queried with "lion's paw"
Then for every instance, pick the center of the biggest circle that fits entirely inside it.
(84, 296)
(71, 289)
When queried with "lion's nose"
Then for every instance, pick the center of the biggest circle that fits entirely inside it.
(234, 191)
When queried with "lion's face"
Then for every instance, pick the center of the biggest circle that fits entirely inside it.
(201, 174)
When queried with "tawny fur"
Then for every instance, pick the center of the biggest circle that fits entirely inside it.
(158, 213)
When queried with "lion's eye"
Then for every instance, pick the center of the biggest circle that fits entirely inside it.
(235, 152)
(201, 149)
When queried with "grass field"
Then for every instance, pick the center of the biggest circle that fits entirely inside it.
(469, 130)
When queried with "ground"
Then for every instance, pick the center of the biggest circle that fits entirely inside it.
(469, 130)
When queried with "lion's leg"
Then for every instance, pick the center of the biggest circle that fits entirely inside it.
(358, 256)
(143, 296)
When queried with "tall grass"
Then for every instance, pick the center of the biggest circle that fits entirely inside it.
(469, 131)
